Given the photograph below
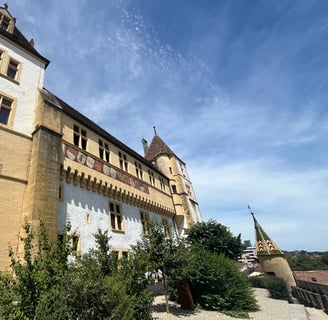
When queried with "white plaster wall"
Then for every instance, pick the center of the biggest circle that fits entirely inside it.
(79, 202)
(25, 93)
(195, 212)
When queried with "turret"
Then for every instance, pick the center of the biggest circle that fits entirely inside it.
(271, 258)
(184, 198)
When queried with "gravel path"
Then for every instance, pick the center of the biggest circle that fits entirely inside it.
(270, 309)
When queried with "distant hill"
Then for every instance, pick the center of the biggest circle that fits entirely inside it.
(303, 260)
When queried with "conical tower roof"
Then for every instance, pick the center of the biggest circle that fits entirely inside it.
(264, 244)
(158, 147)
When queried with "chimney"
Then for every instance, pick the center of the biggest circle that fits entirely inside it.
(145, 146)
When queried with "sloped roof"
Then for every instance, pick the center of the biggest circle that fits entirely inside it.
(18, 38)
(158, 147)
(56, 102)
(264, 244)
(314, 276)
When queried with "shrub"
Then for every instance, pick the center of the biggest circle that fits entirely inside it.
(276, 286)
(257, 282)
(217, 283)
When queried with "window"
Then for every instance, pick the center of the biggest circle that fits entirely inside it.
(161, 182)
(9, 68)
(4, 22)
(151, 177)
(174, 188)
(123, 161)
(5, 109)
(116, 220)
(76, 244)
(125, 254)
(80, 137)
(88, 218)
(103, 150)
(166, 227)
(188, 190)
(119, 254)
(61, 192)
(144, 218)
(12, 71)
(139, 172)
(170, 170)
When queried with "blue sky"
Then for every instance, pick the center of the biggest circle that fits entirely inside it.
(237, 88)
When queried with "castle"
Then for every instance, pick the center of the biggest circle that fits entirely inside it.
(59, 166)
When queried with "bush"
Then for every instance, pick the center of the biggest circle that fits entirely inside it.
(47, 287)
(276, 286)
(258, 282)
(217, 283)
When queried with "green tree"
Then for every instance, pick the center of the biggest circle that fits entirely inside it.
(46, 286)
(216, 238)
(217, 283)
(306, 261)
(42, 268)
(160, 251)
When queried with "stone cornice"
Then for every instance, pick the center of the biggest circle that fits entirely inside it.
(92, 184)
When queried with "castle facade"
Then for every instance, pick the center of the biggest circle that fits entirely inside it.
(59, 166)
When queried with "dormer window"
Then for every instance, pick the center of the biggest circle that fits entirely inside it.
(7, 22)
(4, 23)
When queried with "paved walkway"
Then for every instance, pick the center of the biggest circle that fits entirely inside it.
(270, 309)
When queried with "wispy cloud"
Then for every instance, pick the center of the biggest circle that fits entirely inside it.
(237, 89)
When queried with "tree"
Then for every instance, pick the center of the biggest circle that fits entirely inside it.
(159, 250)
(217, 283)
(216, 238)
(46, 286)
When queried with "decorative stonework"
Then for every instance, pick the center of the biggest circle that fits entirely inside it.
(106, 169)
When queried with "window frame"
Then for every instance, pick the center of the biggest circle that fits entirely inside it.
(151, 177)
(10, 109)
(76, 244)
(116, 217)
(144, 219)
(139, 171)
(104, 151)
(6, 64)
(80, 137)
(123, 160)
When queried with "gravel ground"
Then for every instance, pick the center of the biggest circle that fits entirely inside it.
(270, 309)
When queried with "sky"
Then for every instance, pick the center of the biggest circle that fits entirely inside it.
(238, 90)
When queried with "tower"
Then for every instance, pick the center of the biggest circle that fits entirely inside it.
(271, 258)
(21, 77)
(183, 194)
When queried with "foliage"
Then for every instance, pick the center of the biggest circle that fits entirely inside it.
(46, 286)
(276, 286)
(258, 282)
(217, 283)
(304, 261)
(216, 238)
(159, 251)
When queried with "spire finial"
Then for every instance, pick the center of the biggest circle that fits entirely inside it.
(155, 130)
(252, 213)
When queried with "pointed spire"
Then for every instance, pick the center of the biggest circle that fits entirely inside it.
(157, 147)
(264, 244)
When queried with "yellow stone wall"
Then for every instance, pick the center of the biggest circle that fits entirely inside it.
(154, 194)
(14, 160)
(280, 266)
(42, 195)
